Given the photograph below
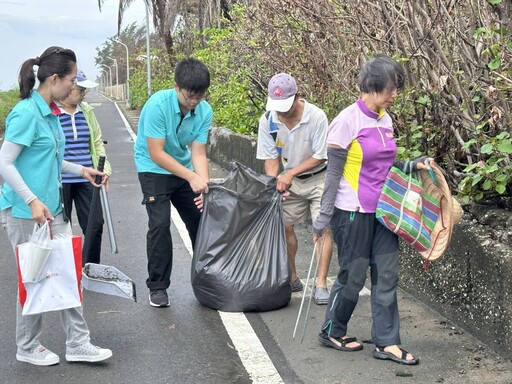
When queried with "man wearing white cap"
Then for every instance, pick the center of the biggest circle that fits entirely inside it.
(293, 132)
(84, 145)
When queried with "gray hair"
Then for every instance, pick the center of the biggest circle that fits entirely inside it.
(380, 73)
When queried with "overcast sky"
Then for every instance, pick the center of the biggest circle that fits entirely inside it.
(28, 27)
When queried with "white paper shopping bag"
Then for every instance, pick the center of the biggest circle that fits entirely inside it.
(60, 287)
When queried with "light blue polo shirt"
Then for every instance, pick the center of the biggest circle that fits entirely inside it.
(161, 118)
(40, 161)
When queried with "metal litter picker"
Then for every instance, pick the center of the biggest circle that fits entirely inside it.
(306, 318)
(104, 278)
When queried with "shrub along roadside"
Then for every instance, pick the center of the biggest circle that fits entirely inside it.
(8, 100)
(457, 104)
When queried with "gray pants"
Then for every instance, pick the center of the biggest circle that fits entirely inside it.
(29, 328)
(363, 242)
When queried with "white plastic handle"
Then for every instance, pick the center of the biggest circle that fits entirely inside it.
(41, 234)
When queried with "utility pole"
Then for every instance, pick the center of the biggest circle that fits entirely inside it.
(127, 70)
(110, 71)
(147, 49)
(117, 76)
(104, 78)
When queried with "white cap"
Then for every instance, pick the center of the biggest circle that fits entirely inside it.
(81, 80)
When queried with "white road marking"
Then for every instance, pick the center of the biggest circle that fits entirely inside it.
(126, 124)
(255, 359)
(252, 353)
(182, 229)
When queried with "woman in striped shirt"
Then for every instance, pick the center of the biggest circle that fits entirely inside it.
(84, 145)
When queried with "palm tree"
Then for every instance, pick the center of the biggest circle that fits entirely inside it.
(162, 10)
(166, 12)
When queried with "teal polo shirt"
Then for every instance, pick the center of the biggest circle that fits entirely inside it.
(161, 118)
(31, 124)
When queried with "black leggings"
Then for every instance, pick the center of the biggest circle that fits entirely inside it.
(81, 195)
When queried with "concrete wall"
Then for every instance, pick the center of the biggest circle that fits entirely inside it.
(471, 285)
(225, 147)
(117, 92)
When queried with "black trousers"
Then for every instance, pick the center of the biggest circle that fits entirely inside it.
(159, 191)
(81, 195)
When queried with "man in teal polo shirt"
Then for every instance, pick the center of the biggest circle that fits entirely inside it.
(170, 156)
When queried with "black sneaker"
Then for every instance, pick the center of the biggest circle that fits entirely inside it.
(158, 298)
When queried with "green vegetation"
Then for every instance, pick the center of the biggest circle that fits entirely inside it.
(8, 100)
(457, 105)
(235, 103)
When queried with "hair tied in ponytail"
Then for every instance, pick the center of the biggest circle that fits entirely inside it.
(37, 61)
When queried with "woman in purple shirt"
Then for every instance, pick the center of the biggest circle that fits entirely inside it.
(361, 150)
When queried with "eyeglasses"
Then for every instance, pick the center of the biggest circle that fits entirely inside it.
(193, 97)
(73, 80)
(392, 87)
(81, 90)
(392, 90)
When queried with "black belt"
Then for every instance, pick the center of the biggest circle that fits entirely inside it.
(308, 175)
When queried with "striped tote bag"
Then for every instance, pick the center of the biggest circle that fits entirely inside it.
(407, 210)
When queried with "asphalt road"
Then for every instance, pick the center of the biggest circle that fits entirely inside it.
(188, 343)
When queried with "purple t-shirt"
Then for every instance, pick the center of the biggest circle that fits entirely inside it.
(371, 151)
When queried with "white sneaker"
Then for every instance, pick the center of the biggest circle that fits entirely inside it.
(39, 356)
(87, 353)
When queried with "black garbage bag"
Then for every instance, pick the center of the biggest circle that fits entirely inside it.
(240, 261)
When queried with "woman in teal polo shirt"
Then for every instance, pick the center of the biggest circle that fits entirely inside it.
(31, 162)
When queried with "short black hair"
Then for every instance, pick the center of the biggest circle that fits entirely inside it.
(380, 73)
(192, 75)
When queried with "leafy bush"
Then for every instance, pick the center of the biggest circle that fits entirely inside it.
(8, 99)
(162, 77)
(485, 178)
(457, 104)
(457, 57)
(235, 104)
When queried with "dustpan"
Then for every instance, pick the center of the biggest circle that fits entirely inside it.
(108, 280)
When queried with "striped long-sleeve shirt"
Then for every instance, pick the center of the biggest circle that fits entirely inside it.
(77, 136)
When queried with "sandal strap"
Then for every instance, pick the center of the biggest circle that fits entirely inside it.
(404, 354)
(347, 340)
(380, 348)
